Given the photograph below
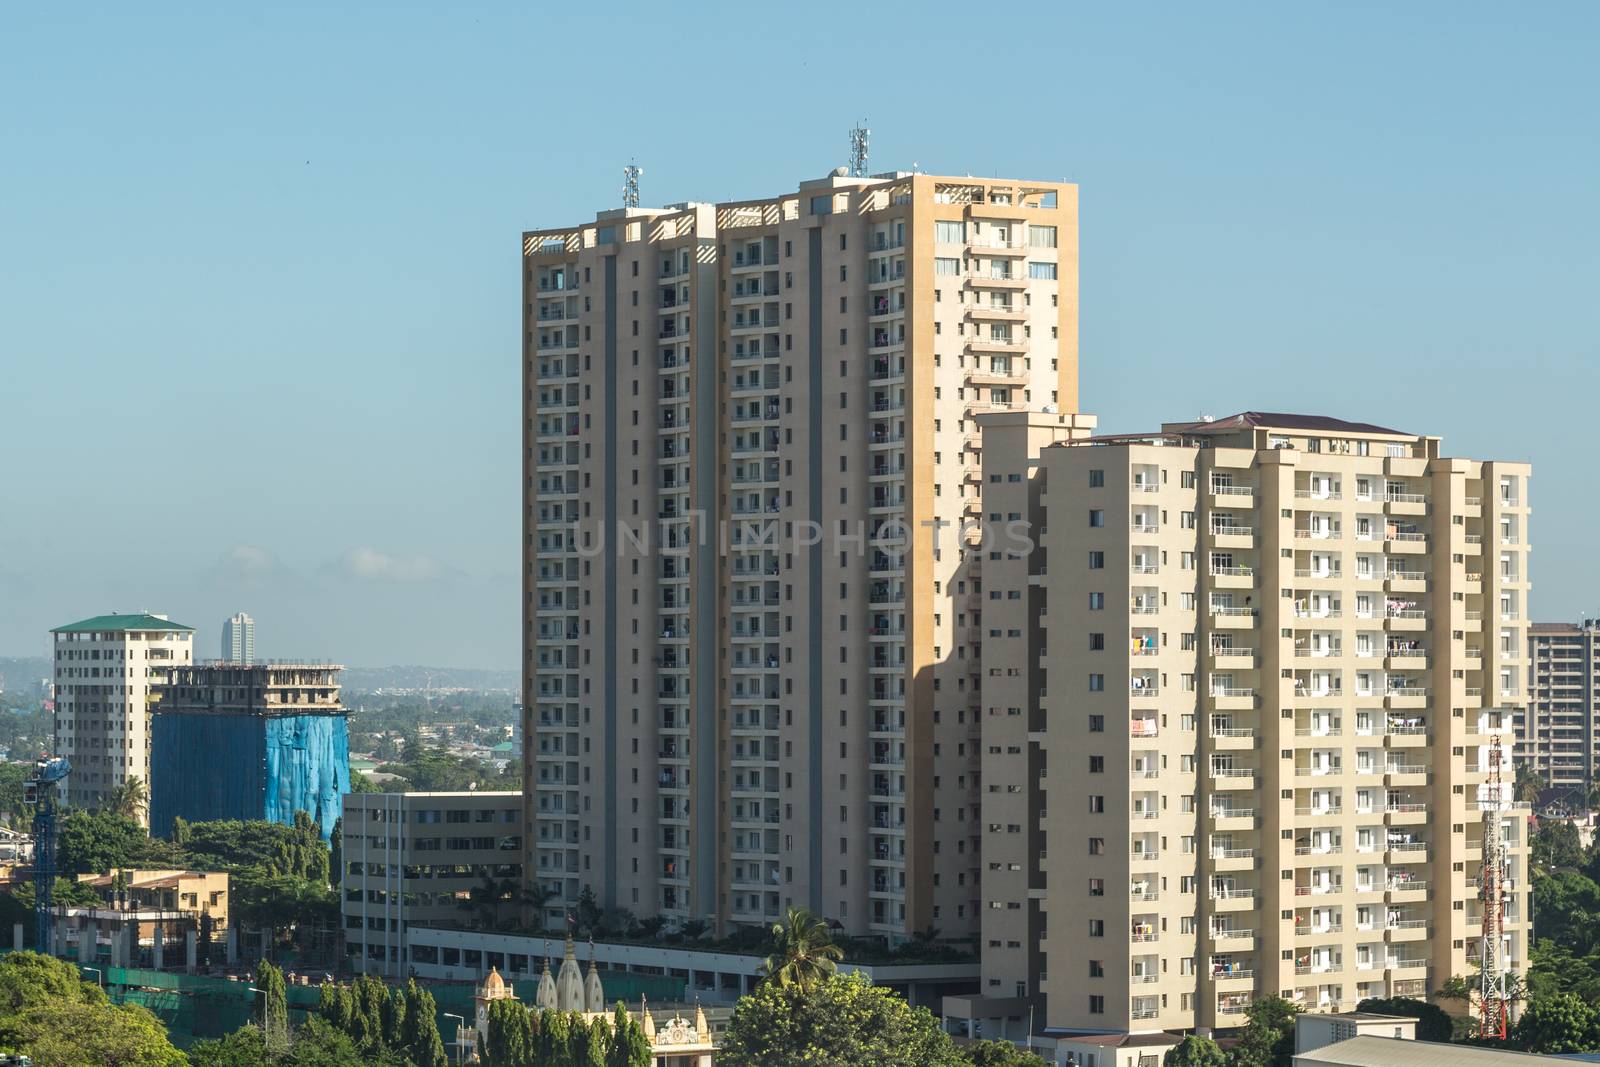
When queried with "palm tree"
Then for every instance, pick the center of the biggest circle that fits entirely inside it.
(130, 799)
(1528, 784)
(803, 952)
(486, 900)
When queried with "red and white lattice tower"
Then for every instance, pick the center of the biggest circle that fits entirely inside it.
(1494, 1001)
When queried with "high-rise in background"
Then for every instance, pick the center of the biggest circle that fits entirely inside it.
(1557, 740)
(239, 639)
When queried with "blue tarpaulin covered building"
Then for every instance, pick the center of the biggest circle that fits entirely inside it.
(258, 741)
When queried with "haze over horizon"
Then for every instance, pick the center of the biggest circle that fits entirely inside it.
(260, 286)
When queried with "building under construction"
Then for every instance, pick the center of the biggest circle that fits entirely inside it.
(249, 741)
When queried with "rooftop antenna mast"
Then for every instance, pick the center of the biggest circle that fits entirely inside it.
(858, 148)
(630, 184)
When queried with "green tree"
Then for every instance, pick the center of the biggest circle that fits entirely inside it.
(1433, 1022)
(394, 1019)
(130, 800)
(94, 842)
(1566, 908)
(306, 910)
(1195, 1051)
(74, 1034)
(629, 1046)
(587, 911)
(487, 899)
(28, 979)
(1528, 785)
(245, 1047)
(1556, 845)
(1005, 1054)
(598, 1047)
(509, 1041)
(234, 844)
(12, 810)
(318, 1044)
(803, 952)
(1558, 1023)
(274, 1006)
(1267, 1039)
(336, 852)
(841, 1020)
(423, 1043)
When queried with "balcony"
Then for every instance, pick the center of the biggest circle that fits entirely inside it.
(1233, 777)
(1233, 859)
(1232, 933)
(1227, 817)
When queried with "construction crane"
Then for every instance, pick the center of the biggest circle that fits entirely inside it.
(1494, 1000)
(40, 791)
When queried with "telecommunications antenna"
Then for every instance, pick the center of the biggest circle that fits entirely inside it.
(858, 149)
(630, 185)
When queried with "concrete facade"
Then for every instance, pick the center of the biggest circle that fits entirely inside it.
(1557, 737)
(1272, 653)
(411, 859)
(106, 669)
(776, 700)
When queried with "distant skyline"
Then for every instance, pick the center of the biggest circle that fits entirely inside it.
(259, 271)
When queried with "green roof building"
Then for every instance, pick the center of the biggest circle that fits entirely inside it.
(106, 670)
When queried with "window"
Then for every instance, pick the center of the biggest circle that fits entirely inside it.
(1097, 642)
(1097, 683)
(822, 205)
(1097, 724)
(1097, 805)
(1097, 969)
(1097, 887)
(1097, 601)
(950, 233)
(1097, 479)
(1097, 517)
(1097, 928)
(1097, 846)
(943, 265)
(1042, 271)
(1097, 560)
(1042, 236)
(1097, 765)
(1097, 1005)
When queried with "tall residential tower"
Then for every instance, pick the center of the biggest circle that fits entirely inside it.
(106, 671)
(752, 620)
(1271, 654)
(239, 639)
(1557, 739)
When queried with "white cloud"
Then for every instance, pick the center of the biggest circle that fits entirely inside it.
(249, 559)
(371, 565)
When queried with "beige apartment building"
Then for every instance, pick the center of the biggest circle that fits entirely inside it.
(752, 624)
(1271, 655)
(106, 671)
(1556, 738)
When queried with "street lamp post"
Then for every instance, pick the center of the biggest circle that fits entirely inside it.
(461, 1024)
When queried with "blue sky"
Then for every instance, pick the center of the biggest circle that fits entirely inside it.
(258, 264)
